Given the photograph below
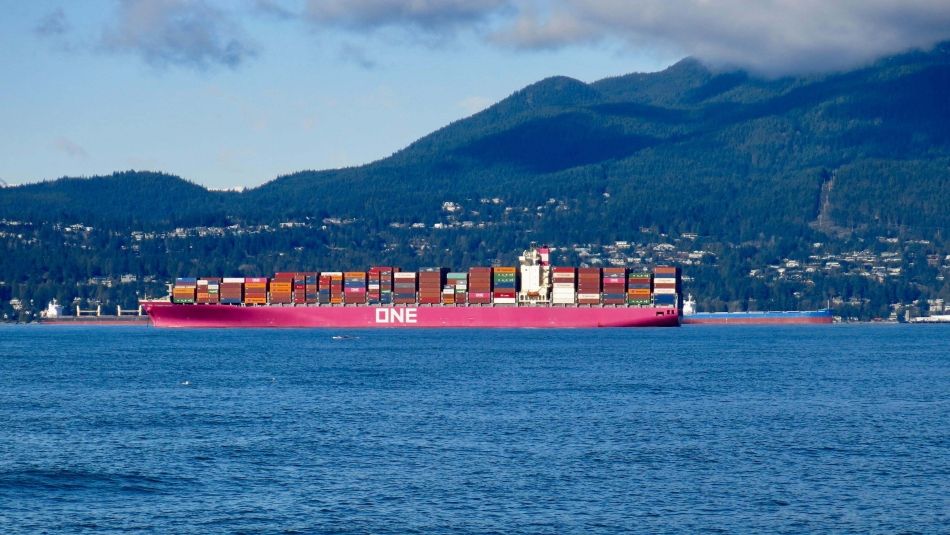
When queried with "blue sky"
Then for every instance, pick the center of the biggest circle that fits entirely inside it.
(235, 93)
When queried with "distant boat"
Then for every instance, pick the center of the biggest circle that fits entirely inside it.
(941, 318)
(789, 317)
(54, 315)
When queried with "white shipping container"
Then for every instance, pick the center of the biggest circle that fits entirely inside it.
(588, 296)
(563, 301)
(404, 275)
(504, 300)
(234, 279)
(665, 291)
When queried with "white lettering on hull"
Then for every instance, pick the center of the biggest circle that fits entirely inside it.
(395, 315)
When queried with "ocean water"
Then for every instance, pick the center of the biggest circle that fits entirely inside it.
(795, 429)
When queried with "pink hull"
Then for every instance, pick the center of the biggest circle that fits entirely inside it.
(164, 314)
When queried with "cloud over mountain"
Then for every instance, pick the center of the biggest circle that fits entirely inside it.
(428, 14)
(770, 36)
(53, 24)
(189, 33)
(69, 147)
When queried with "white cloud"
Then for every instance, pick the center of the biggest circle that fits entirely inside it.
(429, 14)
(768, 36)
(53, 24)
(70, 148)
(190, 33)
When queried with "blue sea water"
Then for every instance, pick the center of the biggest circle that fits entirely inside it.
(740, 429)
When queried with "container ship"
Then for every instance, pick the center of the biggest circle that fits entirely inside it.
(534, 294)
(790, 317)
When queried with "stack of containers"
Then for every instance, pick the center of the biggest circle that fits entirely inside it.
(588, 286)
(281, 289)
(460, 284)
(565, 283)
(311, 291)
(386, 285)
(209, 289)
(323, 292)
(380, 285)
(255, 291)
(354, 287)
(479, 285)
(300, 288)
(639, 285)
(372, 286)
(456, 285)
(504, 280)
(404, 288)
(184, 290)
(202, 295)
(430, 285)
(615, 285)
(231, 291)
(665, 286)
(448, 294)
(334, 286)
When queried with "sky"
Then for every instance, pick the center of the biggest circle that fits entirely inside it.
(234, 93)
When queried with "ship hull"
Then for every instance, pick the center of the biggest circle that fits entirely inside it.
(97, 320)
(166, 314)
(759, 318)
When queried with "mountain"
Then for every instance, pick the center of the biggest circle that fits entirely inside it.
(733, 157)
(128, 198)
(686, 148)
